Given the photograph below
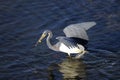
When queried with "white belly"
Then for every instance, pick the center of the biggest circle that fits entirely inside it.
(65, 49)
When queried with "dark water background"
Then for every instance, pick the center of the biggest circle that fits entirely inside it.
(23, 21)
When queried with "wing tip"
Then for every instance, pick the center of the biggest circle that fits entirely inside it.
(88, 25)
(93, 23)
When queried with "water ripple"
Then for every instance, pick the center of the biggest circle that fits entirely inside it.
(22, 22)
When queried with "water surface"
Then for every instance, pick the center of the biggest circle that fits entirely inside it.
(23, 21)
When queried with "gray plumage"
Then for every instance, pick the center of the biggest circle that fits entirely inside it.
(78, 30)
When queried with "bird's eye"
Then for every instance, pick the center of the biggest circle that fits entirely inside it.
(44, 33)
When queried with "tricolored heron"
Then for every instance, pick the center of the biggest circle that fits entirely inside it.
(75, 40)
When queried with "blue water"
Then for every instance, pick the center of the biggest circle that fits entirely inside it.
(23, 21)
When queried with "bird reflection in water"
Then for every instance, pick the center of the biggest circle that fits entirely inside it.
(72, 69)
(68, 69)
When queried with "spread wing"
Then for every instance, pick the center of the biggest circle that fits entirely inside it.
(78, 30)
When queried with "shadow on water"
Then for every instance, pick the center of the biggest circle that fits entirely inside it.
(68, 69)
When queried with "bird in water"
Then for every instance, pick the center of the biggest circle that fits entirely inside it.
(74, 42)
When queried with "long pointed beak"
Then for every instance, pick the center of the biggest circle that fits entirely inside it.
(40, 39)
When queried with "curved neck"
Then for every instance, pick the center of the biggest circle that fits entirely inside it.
(48, 40)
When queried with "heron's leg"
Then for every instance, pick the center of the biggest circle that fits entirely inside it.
(69, 54)
(79, 55)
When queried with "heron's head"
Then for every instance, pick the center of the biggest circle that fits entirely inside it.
(42, 37)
